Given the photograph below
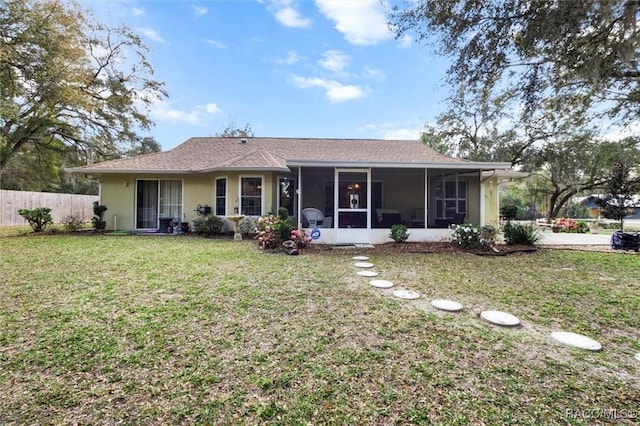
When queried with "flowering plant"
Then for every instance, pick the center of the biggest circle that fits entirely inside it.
(300, 238)
(266, 234)
(272, 230)
(471, 236)
(570, 225)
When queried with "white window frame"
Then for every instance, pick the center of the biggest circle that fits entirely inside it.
(226, 196)
(262, 192)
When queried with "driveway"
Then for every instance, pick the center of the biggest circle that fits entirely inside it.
(567, 239)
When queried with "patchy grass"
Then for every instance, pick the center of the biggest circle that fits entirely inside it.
(180, 330)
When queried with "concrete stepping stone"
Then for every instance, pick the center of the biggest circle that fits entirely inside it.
(446, 305)
(638, 356)
(369, 274)
(381, 283)
(500, 318)
(576, 340)
(406, 294)
(363, 265)
(361, 258)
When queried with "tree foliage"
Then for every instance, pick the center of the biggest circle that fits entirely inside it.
(583, 52)
(147, 145)
(68, 81)
(470, 129)
(621, 192)
(232, 130)
(573, 164)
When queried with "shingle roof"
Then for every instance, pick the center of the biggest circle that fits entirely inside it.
(203, 154)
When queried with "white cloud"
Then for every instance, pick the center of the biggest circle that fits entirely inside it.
(136, 11)
(335, 91)
(373, 73)
(216, 43)
(286, 13)
(616, 133)
(406, 41)
(164, 111)
(362, 22)
(212, 108)
(402, 130)
(401, 134)
(335, 60)
(199, 10)
(290, 17)
(151, 34)
(292, 58)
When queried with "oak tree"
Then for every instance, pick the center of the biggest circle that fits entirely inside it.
(585, 52)
(68, 81)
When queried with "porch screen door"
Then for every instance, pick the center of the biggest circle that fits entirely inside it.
(353, 200)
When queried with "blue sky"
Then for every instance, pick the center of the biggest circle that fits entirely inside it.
(305, 68)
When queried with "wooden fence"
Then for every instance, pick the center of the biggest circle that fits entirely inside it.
(61, 205)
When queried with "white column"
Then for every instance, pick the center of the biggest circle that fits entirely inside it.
(483, 217)
(426, 196)
(299, 193)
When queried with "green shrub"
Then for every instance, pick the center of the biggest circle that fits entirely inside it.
(398, 233)
(582, 227)
(472, 236)
(509, 212)
(72, 223)
(515, 233)
(247, 226)
(208, 225)
(99, 224)
(38, 218)
(284, 224)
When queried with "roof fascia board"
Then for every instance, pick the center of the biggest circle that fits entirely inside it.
(178, 172)
(346, 164)
(129, 171)
(467, 165)
(245, 169)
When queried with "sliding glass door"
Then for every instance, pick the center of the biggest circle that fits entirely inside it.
(158, 200)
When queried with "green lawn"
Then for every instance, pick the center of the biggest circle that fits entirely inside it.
(182, 330)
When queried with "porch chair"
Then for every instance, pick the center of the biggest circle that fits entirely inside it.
(316, 218)
(458, 218)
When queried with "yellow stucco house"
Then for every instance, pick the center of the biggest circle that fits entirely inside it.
(357, 188)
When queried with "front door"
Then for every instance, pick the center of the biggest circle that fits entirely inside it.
(353, 205)
(287, 195)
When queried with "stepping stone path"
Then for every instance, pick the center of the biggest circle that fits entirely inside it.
(446, 305)
(381, 283)
(577, 340)
(494, 317)
(500, 318)
(406, 294)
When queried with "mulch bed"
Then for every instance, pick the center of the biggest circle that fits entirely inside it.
(445, 247)
(420, 248)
